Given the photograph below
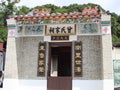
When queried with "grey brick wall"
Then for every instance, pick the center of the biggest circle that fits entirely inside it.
(27, 56)
(92, 61)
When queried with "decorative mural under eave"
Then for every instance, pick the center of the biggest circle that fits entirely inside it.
(44, 16)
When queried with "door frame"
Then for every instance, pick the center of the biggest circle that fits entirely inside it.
(57, 44)
(53, 80)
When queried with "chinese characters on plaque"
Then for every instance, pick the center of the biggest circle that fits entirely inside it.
(78, 59)
(60, 29)
(41, 59)
(59, 37)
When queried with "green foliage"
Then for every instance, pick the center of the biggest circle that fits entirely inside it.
(3, 34)
(23, 10)
(7, 8)
(115, 22)
(74, 7)
(48, 6)
(61, 10)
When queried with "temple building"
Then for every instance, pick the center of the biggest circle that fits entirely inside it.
(54, 51)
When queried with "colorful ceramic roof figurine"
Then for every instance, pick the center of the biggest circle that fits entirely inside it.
(44, 16)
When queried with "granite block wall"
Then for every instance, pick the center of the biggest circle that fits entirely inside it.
(27, 56)
(92, 61)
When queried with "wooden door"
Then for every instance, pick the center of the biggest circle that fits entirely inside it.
(59, 83)
(63, 79)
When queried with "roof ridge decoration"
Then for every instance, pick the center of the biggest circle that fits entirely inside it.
(44, 16)
(44, 11)
(90, 10)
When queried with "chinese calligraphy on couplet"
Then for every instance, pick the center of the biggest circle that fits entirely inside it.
(78, 59)
(41, 59)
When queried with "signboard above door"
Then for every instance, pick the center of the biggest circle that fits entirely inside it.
(59, 38)
(60, 29)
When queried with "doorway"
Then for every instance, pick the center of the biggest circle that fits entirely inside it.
(60, 66)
